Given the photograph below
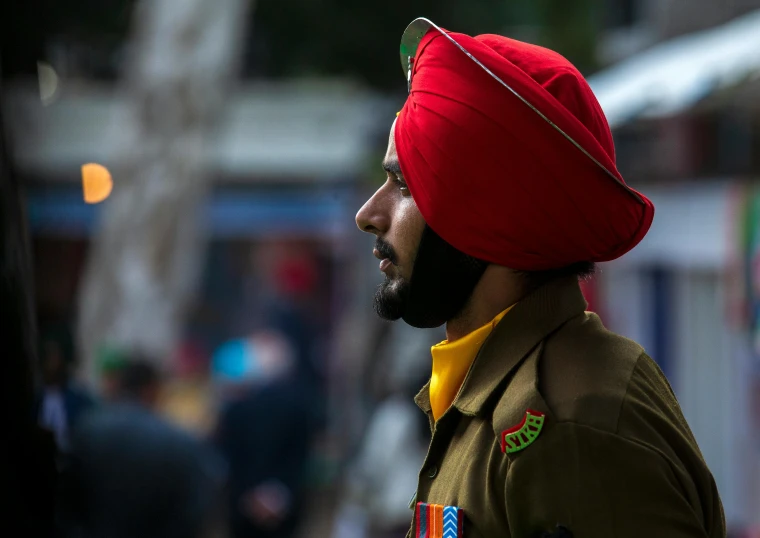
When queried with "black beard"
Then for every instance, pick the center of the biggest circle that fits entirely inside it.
(391, 298)
(443, 279)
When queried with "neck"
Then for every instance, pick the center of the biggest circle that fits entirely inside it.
(498, 289)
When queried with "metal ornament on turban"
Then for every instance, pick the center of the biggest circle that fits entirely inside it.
(508, 155)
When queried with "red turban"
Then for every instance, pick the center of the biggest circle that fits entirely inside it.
(496, 180)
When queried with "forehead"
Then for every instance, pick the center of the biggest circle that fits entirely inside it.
(390, 153)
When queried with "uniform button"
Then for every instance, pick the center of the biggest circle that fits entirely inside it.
(433, 472)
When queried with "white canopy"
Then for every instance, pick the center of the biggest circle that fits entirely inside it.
(674, 75)
(311, 130)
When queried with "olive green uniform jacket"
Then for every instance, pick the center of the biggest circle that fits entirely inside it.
(614, 457)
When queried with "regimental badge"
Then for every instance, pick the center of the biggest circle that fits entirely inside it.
(523, 434)
(438, 521)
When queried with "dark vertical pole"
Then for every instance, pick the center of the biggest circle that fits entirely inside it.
(27, 454)
(662, 319)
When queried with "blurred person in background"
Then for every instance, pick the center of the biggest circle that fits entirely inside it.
(543, 421)
(61, 405)
(187, 398)
(380, 478)
(61, 402)
(264, 432)
(134, 474)
(291, 308)
(110, 362)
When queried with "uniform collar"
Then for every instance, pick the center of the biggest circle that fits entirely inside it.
(528, 323)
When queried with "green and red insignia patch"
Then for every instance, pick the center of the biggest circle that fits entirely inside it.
(523, 434)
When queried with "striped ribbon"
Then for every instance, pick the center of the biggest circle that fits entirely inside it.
(438, 521)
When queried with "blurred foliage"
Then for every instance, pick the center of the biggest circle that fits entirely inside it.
(29, 28)
(361, 39)
(102, 20)
(352, 38)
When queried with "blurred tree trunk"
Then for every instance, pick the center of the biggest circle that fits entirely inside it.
(148, 249)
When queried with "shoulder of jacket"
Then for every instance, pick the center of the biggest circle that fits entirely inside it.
(579, 374)
(585, 372)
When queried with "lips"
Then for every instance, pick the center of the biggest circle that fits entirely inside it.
(385, 263)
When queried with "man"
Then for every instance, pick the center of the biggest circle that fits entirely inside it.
(135, 474)
(61, 403)
(501, 193)
(264, 433)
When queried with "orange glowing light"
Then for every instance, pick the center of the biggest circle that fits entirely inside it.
(96, 183)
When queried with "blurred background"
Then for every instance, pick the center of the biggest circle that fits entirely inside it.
(188, 174)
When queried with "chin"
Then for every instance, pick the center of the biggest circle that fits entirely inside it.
(390, 298)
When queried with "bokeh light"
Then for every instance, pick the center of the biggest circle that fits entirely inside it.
(96, 183)
(48, 80)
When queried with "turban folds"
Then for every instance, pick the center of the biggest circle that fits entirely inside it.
(496, 180)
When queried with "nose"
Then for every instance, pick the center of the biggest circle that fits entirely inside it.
(373, 216)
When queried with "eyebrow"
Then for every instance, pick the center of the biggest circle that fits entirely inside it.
(393, 167)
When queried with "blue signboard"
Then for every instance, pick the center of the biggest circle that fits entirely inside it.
(229, 214)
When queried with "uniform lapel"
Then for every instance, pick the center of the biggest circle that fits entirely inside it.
(528, 323)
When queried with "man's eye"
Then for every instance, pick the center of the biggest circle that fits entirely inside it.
(401, 185)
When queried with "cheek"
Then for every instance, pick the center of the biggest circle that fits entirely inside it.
(409, 225)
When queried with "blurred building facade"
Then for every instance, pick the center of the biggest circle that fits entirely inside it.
(286, 164)
(631, 26)
(691, 142)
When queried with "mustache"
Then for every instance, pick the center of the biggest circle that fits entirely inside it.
(386, 250)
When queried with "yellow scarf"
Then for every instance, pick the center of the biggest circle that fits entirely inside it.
(452, 361)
